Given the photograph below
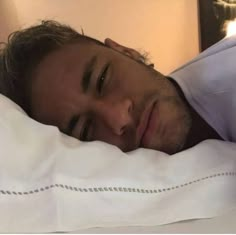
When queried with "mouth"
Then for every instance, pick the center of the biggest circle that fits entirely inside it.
(146, 125)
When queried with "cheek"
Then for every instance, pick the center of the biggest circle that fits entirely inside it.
(175, 119)
(126, 74)
(128, 84)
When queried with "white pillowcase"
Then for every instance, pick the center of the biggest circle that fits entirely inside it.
(52, 182)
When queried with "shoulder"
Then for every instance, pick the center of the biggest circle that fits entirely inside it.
(223, 45)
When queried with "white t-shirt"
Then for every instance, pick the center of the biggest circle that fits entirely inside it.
(209, 85)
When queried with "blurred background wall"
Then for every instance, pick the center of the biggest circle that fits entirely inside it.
(167, 29)
(8, 18)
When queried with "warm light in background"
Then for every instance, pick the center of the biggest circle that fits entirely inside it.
(231, 28)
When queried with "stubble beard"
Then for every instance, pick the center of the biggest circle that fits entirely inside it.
(181, 126)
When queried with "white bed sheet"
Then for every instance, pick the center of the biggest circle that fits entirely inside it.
(221, 224)
(61, 184)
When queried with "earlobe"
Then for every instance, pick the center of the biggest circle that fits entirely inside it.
(126, 51)
(110, 43)
(122, 49)
(116, 46)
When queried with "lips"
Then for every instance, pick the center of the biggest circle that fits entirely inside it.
(144, 124)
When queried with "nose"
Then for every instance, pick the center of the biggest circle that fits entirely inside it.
(116, 115)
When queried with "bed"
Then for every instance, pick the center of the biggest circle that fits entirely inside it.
(220, 224)
(60, 184)
(45, 177)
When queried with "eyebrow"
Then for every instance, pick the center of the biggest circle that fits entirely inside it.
(85, 82)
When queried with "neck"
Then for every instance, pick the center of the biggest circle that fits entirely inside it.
(200, 130)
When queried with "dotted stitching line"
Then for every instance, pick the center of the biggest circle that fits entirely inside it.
(113, 189)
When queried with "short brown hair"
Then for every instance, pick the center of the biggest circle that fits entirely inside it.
(23, 52)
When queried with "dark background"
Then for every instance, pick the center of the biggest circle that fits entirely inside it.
(210, 25)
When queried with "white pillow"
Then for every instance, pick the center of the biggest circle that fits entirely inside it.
(51, 182)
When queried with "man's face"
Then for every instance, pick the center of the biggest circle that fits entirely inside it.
(92, 92)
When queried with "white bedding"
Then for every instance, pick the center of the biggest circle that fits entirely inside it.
(220, 224)
(51, 182)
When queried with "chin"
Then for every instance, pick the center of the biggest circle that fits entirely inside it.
(171, 146)
(172, 150)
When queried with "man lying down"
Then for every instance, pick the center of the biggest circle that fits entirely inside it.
(104, 91)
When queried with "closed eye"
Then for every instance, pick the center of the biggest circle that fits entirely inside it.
(74, 120)
(85, 133)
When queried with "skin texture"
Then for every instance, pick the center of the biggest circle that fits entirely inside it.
(117, 101)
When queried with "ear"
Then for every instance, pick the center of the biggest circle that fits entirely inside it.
(124, 50)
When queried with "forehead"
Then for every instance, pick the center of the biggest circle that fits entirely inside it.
(68, 55)
(56, 78)
(63, 60)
